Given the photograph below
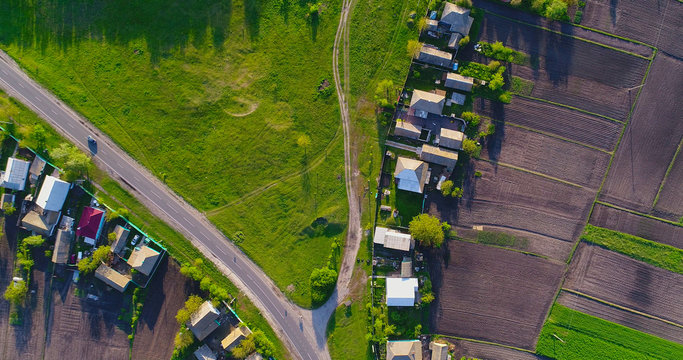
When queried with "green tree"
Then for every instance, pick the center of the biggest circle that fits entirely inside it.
(471, 118)
(464, 41)
(191, 305)
(494, 65)
(470, 147)
(497, 82)
(457, 193)
(183, 338)
(322, 283)
(556, 9)
(73, 161)
(413, 48)
(427, 230)
(9, 209)
(384, 93)
(421, 24)
(90, 264)
(111, 237)
(304, 141)
(446, 187)
(464, 3)
(35, 240)
(16, 292)
(245, 348)
(36, 138)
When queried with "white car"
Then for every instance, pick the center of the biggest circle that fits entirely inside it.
(136, 238)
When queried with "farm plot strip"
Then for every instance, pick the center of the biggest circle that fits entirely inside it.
(639, 213)
(531, 172)
(621, 280)
(480, 349)
(569, 107)
(554, 136)
(673, 197)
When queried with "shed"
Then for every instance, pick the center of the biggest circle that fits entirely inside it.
(205, 353)
(457, 18)
(15, 174)
(432, 55)
(457, 98)
(432, 25)
(404, 350)
(406, 129)
(143, 259)
(204, 321)
(425, 102)
(36, 169)
(439, 156)
(410, 174)
(112, 277)
(439, 350)
(401, 291)
(451, 139)
(63, 242)
(454, 41)
(406, 267)
(459, 82)
(392, 239)
(235, 338)
(121, 239)
(53, 194)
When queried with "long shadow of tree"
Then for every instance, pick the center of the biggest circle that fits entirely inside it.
(164, 25)
(252, 14)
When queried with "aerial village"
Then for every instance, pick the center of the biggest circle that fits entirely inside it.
(421, 155)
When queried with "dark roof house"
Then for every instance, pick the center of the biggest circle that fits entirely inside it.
(204, 321)
(457, 18)
(432, 55)
(423, 103)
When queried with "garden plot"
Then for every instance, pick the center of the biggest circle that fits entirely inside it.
(553, 248)
(626, 222)
(570, 71)
(670, 202)
(563, 122)
(610, 313)
(621, 280)
(547, 155)
(491, 294)
(478, 350)
(650, 141)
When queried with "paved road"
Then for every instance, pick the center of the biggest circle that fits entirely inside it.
(303, 339)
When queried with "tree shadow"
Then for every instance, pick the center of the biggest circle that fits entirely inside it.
(284, 10)
(314, 20)
(252, 13)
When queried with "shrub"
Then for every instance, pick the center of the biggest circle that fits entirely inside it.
(14, 318)
(413, 48)
(16, 292)
(505, 97)
(111, 237)
(490, 129)
(48, 253)
(457, 193)
(9, 209)
(191, 305)
(477, 174)
(90, 264)
(427, 230)
(464, 3)
(322, 283)
(35, 240)
(464, 41)
(446, 187)
(555, 9)
(515, 3)
(471, 118)
(497, 82)
(470, 147)
(494, 65)
(577, 16)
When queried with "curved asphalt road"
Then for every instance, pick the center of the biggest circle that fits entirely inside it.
(304, 337)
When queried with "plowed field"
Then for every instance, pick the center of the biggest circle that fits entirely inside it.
(670, 203)
(477, 350)
(492, 294)
(621, 280)
(623, 317)
(650, 140)
(623, 221)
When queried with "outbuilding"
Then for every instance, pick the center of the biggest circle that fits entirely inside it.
(459, 82)
(393, 239)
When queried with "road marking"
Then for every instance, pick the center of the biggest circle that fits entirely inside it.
(53, 111)
(69, 124)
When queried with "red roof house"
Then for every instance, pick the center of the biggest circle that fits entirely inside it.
(90, 223)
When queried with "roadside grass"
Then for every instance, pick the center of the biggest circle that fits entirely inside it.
(587, 337)
(115, 196)
(347, 330)
(210, 96)
(654, 253)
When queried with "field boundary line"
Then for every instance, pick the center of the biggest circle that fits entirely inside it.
(620, 307)
(487, 343)
(666, 175)
(575, 37)
(532, 172)
(570, 107)
(638, 213)
(551, 135)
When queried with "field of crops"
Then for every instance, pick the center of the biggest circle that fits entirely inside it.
(587, 337)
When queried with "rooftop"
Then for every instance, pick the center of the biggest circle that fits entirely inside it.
(112, 277)
(427, 101)
(121, 238)
(457, 17)
(143, 259)
(90, 223)
(15, 174)
(63, 241)
(411, 174)
(235, 337)
(404, 350)
(401, 291)
(393, 239)
(205, 353)
(52, 194)
(204, 321)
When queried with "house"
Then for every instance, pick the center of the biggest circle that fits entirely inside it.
(63, 242)
(454, 41)
(205, 353)
(451, 138)
(404, 350)
(112, 277)
(406, 129)
(204, 321)
(439, 350)
(235, 338)
(392, 239)
(121, 239)
(15, 174)
(430, 54)
(423, 103)
(90, 224)
(457, 18)
(410, 174)
(432, 25)
(439, 156)
(459, 82)
(52, 194)
(37, 167)
(401, 291)
(406, 267)
(40, 222)
(456, 98)
(143, 259)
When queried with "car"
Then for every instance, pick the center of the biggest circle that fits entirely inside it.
(92, 140)
(136, 238)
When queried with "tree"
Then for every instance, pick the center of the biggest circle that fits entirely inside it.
(183, 338)
(245, 348)
(90, 264)
(35, 240)
(16, 292)
(555, 9)
(471, 118)
(322, 283)
(446, 187)
(36, 138)
(494, 65)
(191, 305)
(384, 93)
(9, 209)
(470, 147)
(421, 24)
(73, 161)
(464, 3)
(111, 237)
(457, 193)
(427, 230)
(497, 82)
(413, 48)
(464, 41)
(304, 141)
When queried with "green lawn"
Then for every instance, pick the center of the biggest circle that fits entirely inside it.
(347, 332)
(211, 96)
(587, 337)
(115, 196)
(408, 204)
(661, 255)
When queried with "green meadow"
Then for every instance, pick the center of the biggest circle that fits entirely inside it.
(211, 96)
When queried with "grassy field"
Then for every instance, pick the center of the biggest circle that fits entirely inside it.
(115, 196)
(211, 96)
(661, 255)
(587, 337)
(347, 332)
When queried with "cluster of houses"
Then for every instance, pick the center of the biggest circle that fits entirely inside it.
(219, 330)
(53, 208)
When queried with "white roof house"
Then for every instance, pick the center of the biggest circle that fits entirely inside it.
(410, 174)
(53, 194)
(430, 54)
(425, 102)
(393, 239)
(459, 82)
(401, 291)
(457, 18)
(15, 174)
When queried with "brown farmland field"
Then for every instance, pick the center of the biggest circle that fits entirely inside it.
(547, 155)
(626, 222)
(571, 71)
(650, 140)
(471, 349)
(670, 203)
(563, 122)
(610, 313)
(621, 280)
(553, 248)
(157, 325)
(491, 294)
(7, 250)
